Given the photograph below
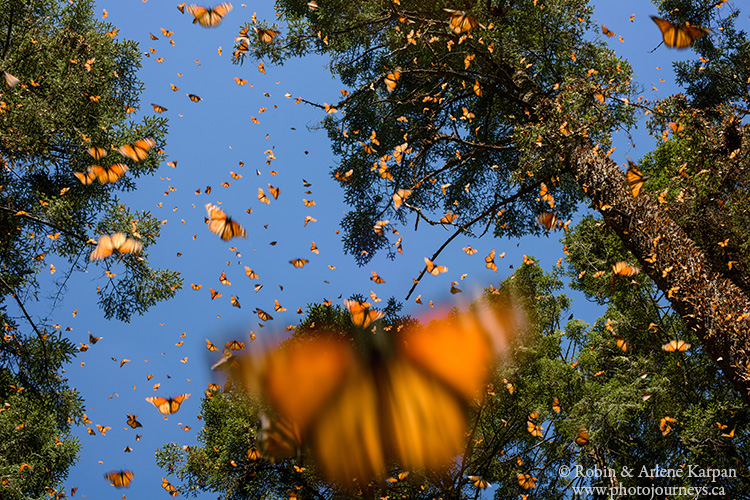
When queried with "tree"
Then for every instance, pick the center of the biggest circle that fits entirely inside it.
(68, 88)
(494, 113)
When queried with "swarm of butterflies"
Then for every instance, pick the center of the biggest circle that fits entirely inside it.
(357, 410)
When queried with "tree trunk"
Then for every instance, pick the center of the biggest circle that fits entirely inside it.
(708, 302)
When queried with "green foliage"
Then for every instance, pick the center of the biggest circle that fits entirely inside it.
(463, 102)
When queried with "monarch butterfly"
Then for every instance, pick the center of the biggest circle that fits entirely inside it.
(86, 178)
(339, 396)
(622, 343)
(361, 313)
(461, 21)
(556, 405)
(275, 192)
(109, 174)
(139, 150)
(194, 97)
(222, 225)
(235, 345)
(263, 315)
(118, 241)
(133, 422)
(433, 269)
(159, 109)
(479, 482)
(299, 262)
(167, 486)
(679, 37)
(262, 197)
(400, 196)
(623, 269)
(265, 36)
(97, 153)
(635, 178)
(120, 479)
(526, 481)
(582, 439)
(490, 261)
(181, 8)
(209, 16)
(534, 430)
(391, 79)
(676, 345)
(167, 406)
(547, 220)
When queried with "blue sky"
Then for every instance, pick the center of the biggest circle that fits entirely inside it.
(208, 140)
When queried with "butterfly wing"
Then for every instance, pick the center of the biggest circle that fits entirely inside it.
(457, 351)
(279, 437)
(299, 377)
(103, 249)
(161, 404)
(635, 178)
(175, 402)
(582, 439)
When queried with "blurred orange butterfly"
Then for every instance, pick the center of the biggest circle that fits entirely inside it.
(167, 406)
(120, 479)
(105, 175)
(461, 21)
(359, 411)
(209, 16)
(97, 153)
(526, 481)
(139, 150)
(676, 346)
(279, 438)
(547, 220)
(582, 439)
(158, 109)
(194, 97)
(299, 262)
(434, 269)
(265, 36)
(222, 225)
(391, 80)
(115, 242)
(679, 37)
